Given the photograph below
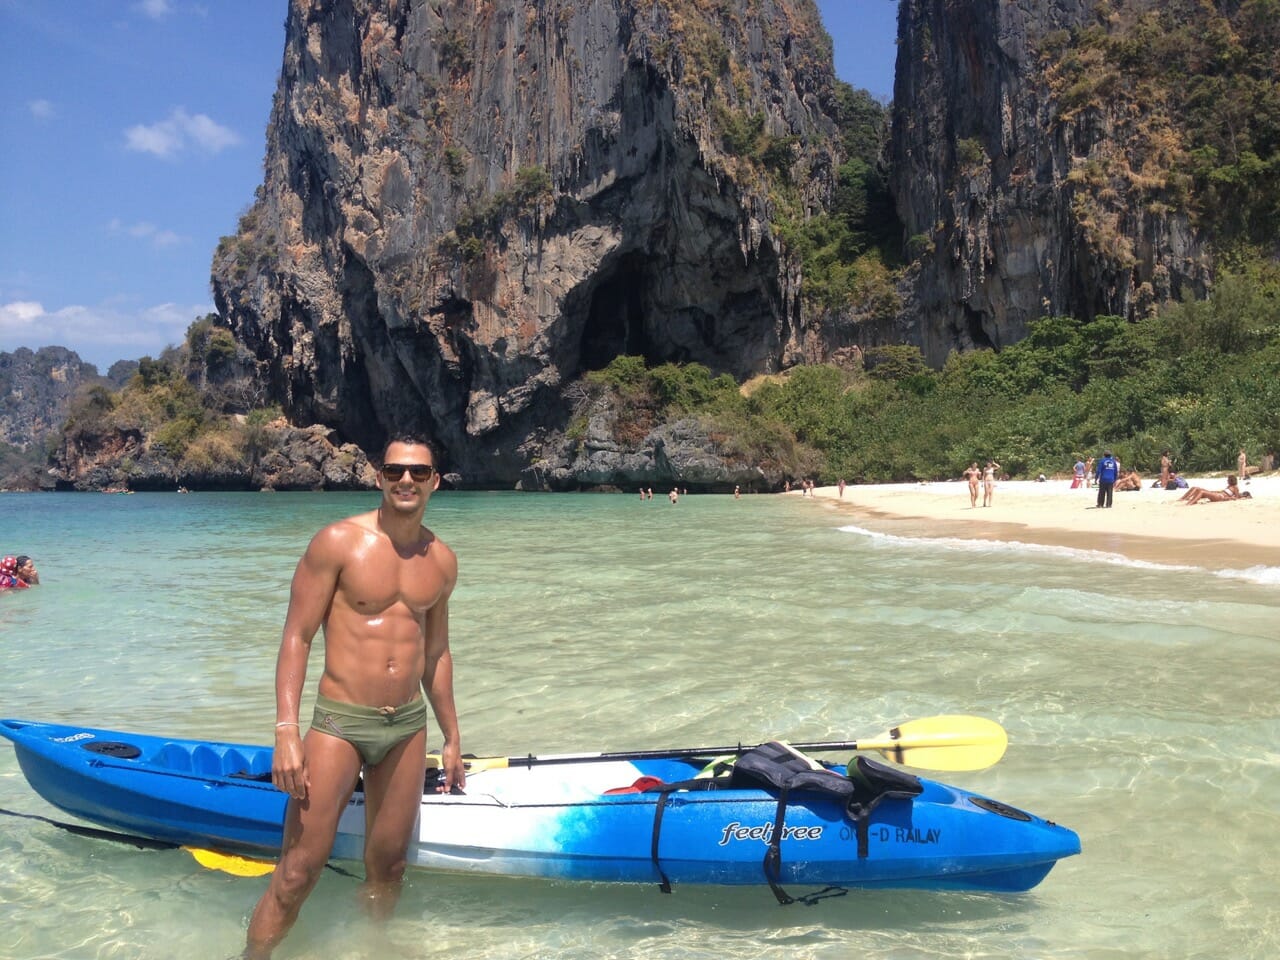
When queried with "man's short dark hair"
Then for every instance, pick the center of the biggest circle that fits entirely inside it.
(410, 438)
(23, 560)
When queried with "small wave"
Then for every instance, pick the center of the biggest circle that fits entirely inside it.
(1258, 574)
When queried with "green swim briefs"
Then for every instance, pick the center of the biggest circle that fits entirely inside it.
(373, 731)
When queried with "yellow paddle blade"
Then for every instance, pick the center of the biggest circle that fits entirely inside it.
(231, 863)
(943, 743)
(717, 766)
(472, 764)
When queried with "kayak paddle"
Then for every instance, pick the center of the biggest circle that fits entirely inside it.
(226, 862)
(231, 863)
(954, 742)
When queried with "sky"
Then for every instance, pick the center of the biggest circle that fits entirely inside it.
(132, 134)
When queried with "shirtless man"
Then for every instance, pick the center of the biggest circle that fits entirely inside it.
(379, 584)
(1130, 481)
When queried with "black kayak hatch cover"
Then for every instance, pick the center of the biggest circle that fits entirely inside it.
(113, 748)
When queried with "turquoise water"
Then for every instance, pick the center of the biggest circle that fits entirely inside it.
(1140, 702)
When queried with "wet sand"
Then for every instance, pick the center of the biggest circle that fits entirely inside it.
(1147, 524)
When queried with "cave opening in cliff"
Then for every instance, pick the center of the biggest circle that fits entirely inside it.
(615, 322)
(978, 335)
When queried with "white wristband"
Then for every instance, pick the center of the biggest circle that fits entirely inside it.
(287, 723)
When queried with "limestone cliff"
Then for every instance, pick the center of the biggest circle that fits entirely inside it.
(281, 457)
(468, 203)
(36, 387)
(1029, 196)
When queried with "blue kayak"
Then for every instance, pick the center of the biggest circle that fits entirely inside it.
(646, 820)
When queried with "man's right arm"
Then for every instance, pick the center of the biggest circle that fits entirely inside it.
(314, 583)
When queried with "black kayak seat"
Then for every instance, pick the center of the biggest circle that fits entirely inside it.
(781, 770)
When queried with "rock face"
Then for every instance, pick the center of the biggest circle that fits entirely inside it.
(287, 458)
(36, 388)
(680, 454)
(1029, 204)
(469, 203)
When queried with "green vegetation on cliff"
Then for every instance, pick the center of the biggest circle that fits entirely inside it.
(848, 253)
(1203, 81)
(175, 407)
(848, 248)
(1201, 380)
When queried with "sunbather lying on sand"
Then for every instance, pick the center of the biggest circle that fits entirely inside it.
(1202, 494)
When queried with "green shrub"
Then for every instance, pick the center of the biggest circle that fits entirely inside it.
(1201, 381)
(971, 153)
(740, 133)
(176, 435)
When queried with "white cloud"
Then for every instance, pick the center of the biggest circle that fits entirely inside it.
(155, 9)
(19, 316)
(101, 334)
(208, 134)
(41, 109)
(143, 230)
(160, 138)
(169, 137)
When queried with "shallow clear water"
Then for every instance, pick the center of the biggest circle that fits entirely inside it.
(1140, 702)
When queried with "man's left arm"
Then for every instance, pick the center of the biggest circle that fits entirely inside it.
(437, 681)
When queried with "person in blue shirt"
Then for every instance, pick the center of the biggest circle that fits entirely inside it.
(1108, 473)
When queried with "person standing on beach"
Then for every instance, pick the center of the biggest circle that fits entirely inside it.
(1108, 473)
(1088, 472)
(989, 482)
(379, 585)
(840, 485)
(1077, 474)
(1242, 466)
(1166, 467)
(973, 475)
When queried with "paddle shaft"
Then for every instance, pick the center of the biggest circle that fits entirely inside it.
(883, 744)
(679, 753)
(935, 743)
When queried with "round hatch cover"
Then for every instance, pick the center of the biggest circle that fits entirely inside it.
(1003, 809)
(113, 748)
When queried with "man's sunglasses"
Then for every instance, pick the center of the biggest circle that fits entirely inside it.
(418, 472)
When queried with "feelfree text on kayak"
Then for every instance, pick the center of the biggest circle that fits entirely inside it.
(764, 833)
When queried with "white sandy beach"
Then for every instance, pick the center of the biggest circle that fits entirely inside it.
(1146, 524)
